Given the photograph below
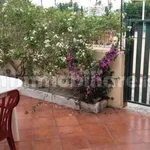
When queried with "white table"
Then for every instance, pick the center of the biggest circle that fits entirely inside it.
(7, 84)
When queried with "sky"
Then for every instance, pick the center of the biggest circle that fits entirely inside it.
(85, 3)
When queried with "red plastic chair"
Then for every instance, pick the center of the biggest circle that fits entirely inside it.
(7, 104)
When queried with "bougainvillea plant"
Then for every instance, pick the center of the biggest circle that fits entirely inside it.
(95, 83)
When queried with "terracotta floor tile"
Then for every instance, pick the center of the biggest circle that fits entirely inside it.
(1, 146)
(53, 144)
(3, 141)
(25, 123)
(146, 115)
(42, 114)
(126, 138)
(66, 121)
(68, 131)
(82, 113)
(21, 114)
(129, 111)
(133, 147)
(117, 110)
(97, 141)
(63, 112)
(43, 105)
(25, 135)
(118, 126)
(108, 147)
(139, 124)
(148, 145)
(85, 149)
(54, 127)
(109, 111)
(34, 101)
(109, 117)
(94, 129)
(26, 145)
(145, 135)
(6, 146)
(56, 106)
(130, 116)
(23, 108)
(43, 111)
(45, 133)
(25, 102)
(43, 122)
(26, 97)
(88, 119)
(75, 143)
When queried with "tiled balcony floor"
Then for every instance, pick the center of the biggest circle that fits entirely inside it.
(53, 127)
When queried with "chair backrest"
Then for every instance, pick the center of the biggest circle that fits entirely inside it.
(7, 103)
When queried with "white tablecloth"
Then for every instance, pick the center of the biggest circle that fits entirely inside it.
(7, 84)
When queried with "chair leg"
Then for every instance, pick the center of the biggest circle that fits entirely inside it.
(11, 143)
(10, 138)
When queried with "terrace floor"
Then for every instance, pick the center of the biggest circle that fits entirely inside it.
(53, 127)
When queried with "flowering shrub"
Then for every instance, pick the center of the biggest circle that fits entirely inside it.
(108, 57)
(38, 36)
(93, 84)
(46, 40)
